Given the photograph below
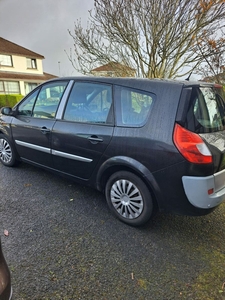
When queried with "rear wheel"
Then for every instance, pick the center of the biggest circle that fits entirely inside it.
(129, 198)
(7, 153)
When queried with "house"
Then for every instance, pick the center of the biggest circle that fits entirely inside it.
(114, 69)
(20, 69)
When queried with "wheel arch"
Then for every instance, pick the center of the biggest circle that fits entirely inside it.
(3, 131)
(123, 163)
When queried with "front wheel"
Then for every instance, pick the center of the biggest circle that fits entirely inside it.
(129, 198)
(7, 153)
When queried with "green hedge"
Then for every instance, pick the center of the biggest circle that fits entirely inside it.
(9, 100)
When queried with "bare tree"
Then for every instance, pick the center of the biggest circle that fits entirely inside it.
(157, 38)
(213, 66)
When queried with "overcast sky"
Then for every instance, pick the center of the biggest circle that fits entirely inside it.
(42, 26)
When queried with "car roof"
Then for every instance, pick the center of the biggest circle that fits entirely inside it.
(150, 85)
(133, 80)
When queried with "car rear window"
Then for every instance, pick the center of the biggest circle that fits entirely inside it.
(206, 112)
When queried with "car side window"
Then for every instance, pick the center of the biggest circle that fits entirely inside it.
(26, 107)
(48, 99)
(134, 106)
(43, 102)
(89, 103)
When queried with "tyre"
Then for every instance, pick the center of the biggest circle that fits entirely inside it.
(128, 198)
(7, 153)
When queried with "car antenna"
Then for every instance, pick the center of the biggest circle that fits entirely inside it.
(188, 78)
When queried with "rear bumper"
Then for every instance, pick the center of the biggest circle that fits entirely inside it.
(205, 192)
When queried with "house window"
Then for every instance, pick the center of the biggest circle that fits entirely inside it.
(110, 74)
(6, 60)
(29, 86)
(9, 87)
(31, 63)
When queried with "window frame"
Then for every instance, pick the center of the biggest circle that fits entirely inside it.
(2, 56)
(109, 120)
(6, 89)
(37, 92)
(30, 86)
(31, 63)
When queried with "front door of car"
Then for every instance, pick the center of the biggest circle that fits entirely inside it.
(80, 138)
(33, 122)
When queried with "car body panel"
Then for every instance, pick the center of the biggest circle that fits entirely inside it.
(205, 192)
(77, 148)
(32, 138)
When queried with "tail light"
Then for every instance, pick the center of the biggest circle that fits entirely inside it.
(191, 146)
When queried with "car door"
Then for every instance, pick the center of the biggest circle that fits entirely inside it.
(81, 136)
(33, 122)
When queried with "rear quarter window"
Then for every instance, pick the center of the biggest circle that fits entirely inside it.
(206, 112)
(133, 106)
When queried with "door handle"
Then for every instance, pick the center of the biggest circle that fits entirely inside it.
(94, 139)
(45, 130)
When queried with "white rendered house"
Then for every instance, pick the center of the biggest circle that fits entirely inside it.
(20, 69)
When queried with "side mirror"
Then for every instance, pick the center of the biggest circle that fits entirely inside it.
(7, 111)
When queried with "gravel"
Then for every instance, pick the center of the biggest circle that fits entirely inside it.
(64, 243)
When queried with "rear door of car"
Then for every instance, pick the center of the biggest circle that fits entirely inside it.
(83, 132)
(33, 122)
(206, 116)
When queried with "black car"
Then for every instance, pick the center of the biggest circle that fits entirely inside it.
(147, 144)
(5, 279)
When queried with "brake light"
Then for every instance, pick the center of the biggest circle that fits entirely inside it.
(191, 146)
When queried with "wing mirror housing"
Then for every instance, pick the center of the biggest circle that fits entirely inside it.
(7, 111)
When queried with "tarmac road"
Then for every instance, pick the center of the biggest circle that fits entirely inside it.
(64, 243)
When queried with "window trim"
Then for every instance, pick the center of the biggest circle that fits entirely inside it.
(33, 63)
(8, 91)
(8, 56)
(110, 118)
(37, 90)
(30, 86)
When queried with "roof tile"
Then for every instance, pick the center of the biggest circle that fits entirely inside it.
(25, 76)
(7, 47)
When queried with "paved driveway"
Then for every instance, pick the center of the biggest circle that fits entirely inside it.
(63, 243)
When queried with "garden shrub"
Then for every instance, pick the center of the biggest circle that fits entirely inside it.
(9, 100)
